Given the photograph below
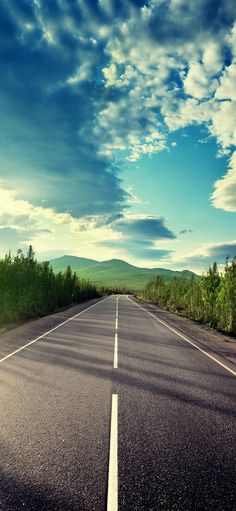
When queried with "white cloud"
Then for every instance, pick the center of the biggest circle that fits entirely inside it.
(224, 195)
(203, 256)
(110, 74)
(182, 113)
(227, 87)
(81, 74)
(49, 230)
(223, 125)
(197, 83)
(127, 77)
(212, 58)
(183, 78)
(147, 149)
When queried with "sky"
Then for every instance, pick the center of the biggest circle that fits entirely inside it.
(118, 131)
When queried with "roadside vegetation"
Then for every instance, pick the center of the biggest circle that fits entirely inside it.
(29, 289)
(210, 299)
(115, 290)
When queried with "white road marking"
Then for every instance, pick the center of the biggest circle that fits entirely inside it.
(185, 339)
(112, 498)
(49, 331)
(115, 362)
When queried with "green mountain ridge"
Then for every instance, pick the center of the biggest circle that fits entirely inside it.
(114, 272)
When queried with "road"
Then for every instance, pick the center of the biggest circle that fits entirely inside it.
(115, 410)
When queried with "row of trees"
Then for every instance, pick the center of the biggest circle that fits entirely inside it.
(115, 290)
(29, 289)
(210, 299)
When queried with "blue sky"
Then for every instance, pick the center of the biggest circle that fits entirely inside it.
(118, 130)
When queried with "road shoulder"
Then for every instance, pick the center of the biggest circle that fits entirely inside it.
(15, 338)
(218, 344)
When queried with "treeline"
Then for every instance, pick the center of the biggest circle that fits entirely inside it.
(114, 290)
(210, 299)
(29, 289)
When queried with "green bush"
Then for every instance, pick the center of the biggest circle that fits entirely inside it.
(29, 289)
(210, 299)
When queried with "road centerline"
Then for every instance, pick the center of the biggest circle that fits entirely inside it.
(115, 362)
(112, 497)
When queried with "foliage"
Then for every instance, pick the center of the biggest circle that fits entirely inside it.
(210, 299)
(29, 289)
(114, 290)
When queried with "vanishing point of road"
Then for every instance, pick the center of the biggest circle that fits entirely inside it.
(113, 408)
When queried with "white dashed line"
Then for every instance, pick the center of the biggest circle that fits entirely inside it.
(115, 363)
(112, 498)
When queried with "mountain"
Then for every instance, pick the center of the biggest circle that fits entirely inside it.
(114, 272)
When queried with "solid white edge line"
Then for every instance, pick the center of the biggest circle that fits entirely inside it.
(49, 331)
(185, 339)
(112, 496)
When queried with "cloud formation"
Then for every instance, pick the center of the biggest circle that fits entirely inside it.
(143, 227)
(139, 235)
(52, 233)
(208, 253)
(80, 91)
(83, 65)
(224, 195)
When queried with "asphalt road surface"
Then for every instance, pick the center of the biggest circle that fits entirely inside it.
(115, 409)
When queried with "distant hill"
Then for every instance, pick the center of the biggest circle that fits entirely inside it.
(114, 272)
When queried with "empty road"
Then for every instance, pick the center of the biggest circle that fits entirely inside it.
(113, 408)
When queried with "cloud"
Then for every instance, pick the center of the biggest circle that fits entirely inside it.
(185, 231)
(80, 90)
(223, 125)
(12, 239)
(198, 83)
(80, 67)
(226, 89)
(144, 227)
(175, 70)
(47, 110)
(14, 221)
(144, 251)
(224, 195)
(139, 235)
(208, 253)
(21, 223)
